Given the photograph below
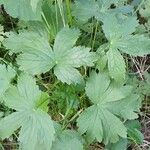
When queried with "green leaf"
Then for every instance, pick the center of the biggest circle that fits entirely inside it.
(84, 10)
(118, 26)
(36, 26)
(101, 120)
(101, 63)
(120, 145)
(89, 121)
(94, 90)
(11, 123)
(24, 96)
(119, 31)
(102, 58)
(136, 45)
(39, 127)
(30, 115)
(79, 56)
(68, 74)
(134, 133)
(36, 62)
(101, 124)
(68, 140)
(6, 75)
(38, 57)
(116, 65)
(115, 93)
(130, 104)
(43, 102)
(65, 40)
(23, 9)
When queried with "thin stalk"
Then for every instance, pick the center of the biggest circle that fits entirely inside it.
(60, 5)
(56, 14)
(95, 33)
(69, 11)
(138, 7)
(48, 28)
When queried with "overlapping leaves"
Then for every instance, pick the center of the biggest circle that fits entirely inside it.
(119, 32)
(38, 57)
(100, 121)
(84, 10)
(37, 131)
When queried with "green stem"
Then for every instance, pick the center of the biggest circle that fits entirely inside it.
(95, 33)
(60, 5)
(69, 11)
(138, 7)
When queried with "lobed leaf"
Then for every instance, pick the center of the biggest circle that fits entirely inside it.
(101, 121)
(23, 9)
(38, 126)
(38, 57)
(30, 115)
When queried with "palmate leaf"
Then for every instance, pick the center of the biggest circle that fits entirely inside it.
(6, 75)
(37, 131)
(119, 32)
(84, 10)
(38, 57)
(116, 27)
(100, 121)
(23, 9)
(68, 58)
(67, 140)
(39, 127)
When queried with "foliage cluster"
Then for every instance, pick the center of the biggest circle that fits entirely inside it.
(67, 73)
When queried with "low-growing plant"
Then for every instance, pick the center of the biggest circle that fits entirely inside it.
(67, 74)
